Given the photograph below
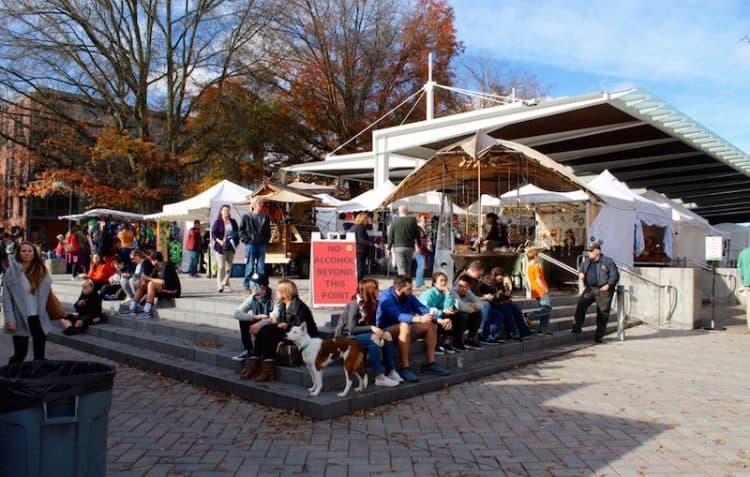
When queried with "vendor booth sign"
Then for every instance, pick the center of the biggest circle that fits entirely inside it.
(714, 248)
(333, 271)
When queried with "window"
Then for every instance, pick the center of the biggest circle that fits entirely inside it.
(8, 213)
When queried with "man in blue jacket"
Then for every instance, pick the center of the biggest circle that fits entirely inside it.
(599, 275)
(398, 312)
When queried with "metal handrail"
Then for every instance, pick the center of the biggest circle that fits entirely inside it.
(557, 262)
(732, 279)
(671, 290)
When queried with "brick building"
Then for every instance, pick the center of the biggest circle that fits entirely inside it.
(33, 218)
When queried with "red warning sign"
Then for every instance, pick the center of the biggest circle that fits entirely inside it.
(333, 272)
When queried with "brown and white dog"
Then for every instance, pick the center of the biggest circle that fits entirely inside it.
(317, 354)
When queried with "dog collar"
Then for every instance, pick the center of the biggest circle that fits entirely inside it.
(304, 347)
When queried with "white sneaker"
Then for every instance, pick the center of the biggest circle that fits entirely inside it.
(394, 376)
(386, 381)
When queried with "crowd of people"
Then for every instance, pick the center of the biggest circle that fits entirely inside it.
(477, 310)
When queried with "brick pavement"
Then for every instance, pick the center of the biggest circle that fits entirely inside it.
(661, 403)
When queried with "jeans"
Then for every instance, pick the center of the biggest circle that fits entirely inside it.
(193, 267)
(511, 317)
(485, 323)
(421, 262)
(21, 343)
(128, 286)
(462, 321)
(403, 257)
(373, 353)
(543, 313)
(256, 262)
(603, 302)
(224, 262)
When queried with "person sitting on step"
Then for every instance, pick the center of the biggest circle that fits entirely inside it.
(289, 311)
(162, 283)
(358, 322)
(99, 272)
(502, 309)
(88, 310)
(256, 307)
(470, 306)
(401, 314)
(451, 325)
(113, 290)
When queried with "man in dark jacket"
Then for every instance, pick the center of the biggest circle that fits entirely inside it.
(403, 239)
(255, 233)
(599, 275)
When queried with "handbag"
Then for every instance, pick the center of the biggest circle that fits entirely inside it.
(288, 355)
(55, 309)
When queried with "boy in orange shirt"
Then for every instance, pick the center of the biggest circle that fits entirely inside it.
(540, 291)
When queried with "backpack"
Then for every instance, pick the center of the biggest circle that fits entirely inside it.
(288, 355)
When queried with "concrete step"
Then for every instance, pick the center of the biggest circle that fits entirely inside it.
(216, 346)
(327, 404)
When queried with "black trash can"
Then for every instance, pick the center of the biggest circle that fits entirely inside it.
(53, 418)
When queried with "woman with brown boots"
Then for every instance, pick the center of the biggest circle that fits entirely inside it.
(288, 311)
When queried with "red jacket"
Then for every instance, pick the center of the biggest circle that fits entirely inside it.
(194, 239)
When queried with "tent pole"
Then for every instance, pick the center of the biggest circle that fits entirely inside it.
(479, 202)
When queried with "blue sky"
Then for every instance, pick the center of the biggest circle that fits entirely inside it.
(689, 53)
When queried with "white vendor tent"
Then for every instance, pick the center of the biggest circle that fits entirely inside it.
(368, 201)
(426, 202)
(622, 207)
(96, 213)
(531, 194)
(690, 229)
(205, 207)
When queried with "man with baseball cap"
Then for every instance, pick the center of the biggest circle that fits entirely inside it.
(599, 275)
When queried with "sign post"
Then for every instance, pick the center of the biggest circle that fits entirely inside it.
(333, 271)
(714, 253)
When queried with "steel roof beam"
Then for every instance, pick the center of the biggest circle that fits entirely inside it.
(661, 170)
(597, 151)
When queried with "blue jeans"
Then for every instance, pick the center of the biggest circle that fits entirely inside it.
(543, 313)
(486, 319)
(193, 267)
(256, 262)
(373, 353)
(514, 322)
(421, 262)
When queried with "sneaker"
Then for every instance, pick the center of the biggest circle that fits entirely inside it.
(129, 312)
(70, 331)
(408, 375)
(448, 348)
(386, 381)
(434, 368)
(460, 347)
(241, 356)
(490, 341)
(147, 315)
(473, 344)
(598, 340)
(516, 337)
(394, 376)
(496, 340)
(220, 290)
(439, 351)
(576, 329)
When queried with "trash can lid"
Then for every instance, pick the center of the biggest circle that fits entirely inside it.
(35, 382)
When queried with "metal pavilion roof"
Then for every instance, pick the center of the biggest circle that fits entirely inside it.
(640, 138)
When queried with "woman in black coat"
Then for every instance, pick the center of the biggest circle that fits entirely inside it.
(362, 238)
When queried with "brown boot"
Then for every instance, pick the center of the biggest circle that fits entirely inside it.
(250, 368)
(267, 371)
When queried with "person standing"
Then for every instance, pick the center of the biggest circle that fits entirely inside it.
(83, 252)
(403, 239)
(540, 291)
(743, 267)
(26, 288)
(600, 275)
(193, 246)
(226, 237)
(422, 251)
(255, 232)
(362, 239)
(127, 243)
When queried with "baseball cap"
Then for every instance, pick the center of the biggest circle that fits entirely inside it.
(593, 246)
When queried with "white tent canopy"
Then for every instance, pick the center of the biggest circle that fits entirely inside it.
(426, 202)
(739, 239)
(531, 194)
(205, 207)
(94, 213)
(370, 200)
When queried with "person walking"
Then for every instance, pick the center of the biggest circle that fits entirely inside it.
(226, 237)
(193, 246)
(255, 232)
(26, 288)
(540, 291)
(364, 245)
(600, 276)
(422, 251)
(403, 240)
